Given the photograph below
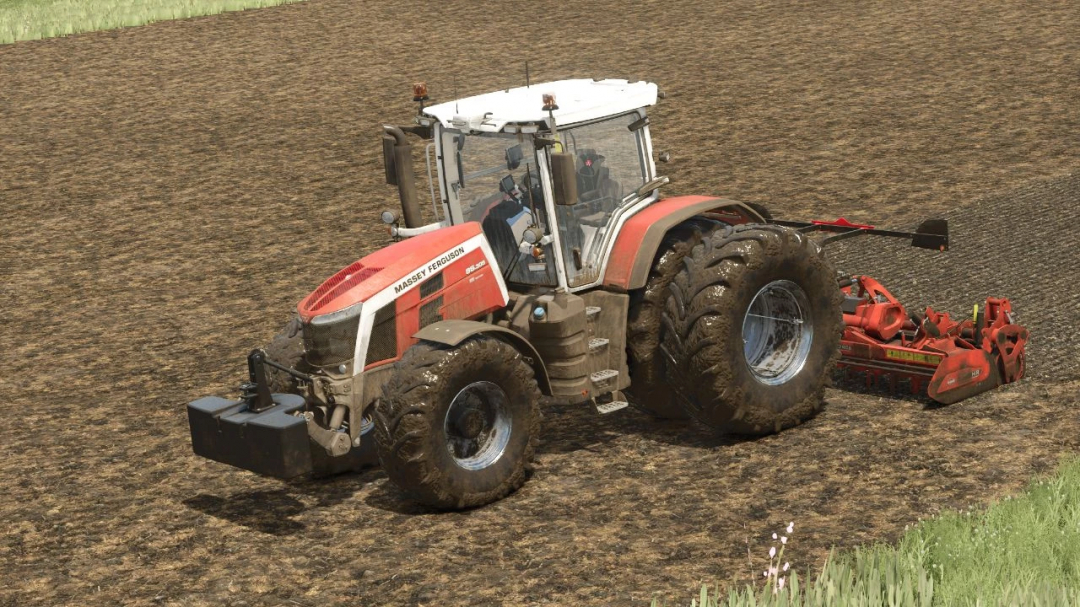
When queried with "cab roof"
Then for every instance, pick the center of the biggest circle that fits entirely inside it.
(579, 100)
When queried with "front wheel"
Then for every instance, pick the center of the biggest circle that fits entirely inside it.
(457, 426)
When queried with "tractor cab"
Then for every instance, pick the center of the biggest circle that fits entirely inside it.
(549, 171)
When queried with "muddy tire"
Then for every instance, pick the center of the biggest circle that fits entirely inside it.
(760, 209)
(752, 329)
(650, 389)
(287, 348)
(457, 426)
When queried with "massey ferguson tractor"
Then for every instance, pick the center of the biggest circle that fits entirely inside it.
(554, 268)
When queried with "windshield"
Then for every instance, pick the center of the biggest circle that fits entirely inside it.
(610, 168)
(497, 183)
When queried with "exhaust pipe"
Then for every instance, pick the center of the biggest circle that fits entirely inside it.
(397, 156)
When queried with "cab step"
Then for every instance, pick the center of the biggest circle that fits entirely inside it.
(610, 402)
(601, 378)
(597, 344)
(611, 407)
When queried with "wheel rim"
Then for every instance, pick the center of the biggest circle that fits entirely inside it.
(367, 424)
(777, 333)
(477, 425)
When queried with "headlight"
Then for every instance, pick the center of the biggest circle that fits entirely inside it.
(330, 339)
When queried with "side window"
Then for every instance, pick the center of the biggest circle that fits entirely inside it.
(609, 167)
(498, 185)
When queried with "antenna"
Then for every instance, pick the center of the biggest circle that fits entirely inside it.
(526, 74)
(456, 110)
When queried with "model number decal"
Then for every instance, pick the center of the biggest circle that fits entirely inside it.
(476, 266)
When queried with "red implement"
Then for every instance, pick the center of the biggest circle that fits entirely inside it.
(951, 360)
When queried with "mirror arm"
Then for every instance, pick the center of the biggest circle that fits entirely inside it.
(421, 131)
(649, 186)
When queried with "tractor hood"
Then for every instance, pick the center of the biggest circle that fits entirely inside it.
(398, 267)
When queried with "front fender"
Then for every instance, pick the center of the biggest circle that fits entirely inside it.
(639, 238)
(453, 332)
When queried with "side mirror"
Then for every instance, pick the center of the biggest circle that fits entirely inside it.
(513, 157)
(388, 160)
(564, 178)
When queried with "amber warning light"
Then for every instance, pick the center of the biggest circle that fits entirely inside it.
(419, 91)
(549, 102)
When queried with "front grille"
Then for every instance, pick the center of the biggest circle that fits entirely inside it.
(431, 286)
(383, 342)
(340, 283)
(431, 312)
(326, 345)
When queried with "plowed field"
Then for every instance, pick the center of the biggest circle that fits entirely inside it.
(168, 193)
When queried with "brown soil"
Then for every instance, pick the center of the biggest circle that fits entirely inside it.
(169, 193)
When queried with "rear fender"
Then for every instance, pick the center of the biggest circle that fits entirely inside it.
(639, 238)
(453, 332)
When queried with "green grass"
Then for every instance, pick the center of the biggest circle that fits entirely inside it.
(34, 19)
(1020, 551)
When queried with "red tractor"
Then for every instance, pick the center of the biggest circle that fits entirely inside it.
(554, 268)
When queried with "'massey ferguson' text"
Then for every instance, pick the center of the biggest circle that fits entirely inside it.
(431, 268)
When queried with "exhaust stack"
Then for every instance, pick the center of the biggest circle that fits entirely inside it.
(397, 158)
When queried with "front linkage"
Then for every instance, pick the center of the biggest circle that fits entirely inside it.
(268, 433)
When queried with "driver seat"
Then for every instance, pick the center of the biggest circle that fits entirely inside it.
(593, 178)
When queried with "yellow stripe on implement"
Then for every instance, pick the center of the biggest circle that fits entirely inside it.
(918, 357)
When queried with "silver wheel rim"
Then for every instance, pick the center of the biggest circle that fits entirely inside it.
(477, 425)
(366, 423)
(776, 332)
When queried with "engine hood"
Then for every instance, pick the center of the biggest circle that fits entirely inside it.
(400, 266)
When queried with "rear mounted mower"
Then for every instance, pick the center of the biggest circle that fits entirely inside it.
(554, 268)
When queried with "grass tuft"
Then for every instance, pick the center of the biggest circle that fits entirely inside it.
(36, 19)
(1019, 551)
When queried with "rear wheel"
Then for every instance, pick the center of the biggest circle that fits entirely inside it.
(287, 348)
(753, 327)
(650, 389)
(457, 426)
